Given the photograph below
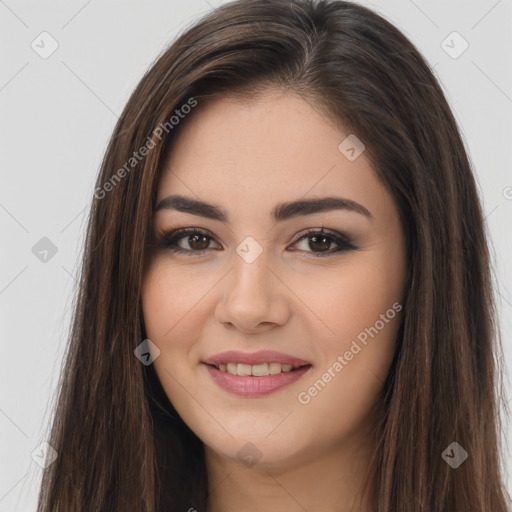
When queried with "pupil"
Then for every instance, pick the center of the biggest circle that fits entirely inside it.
(325, 243)
(195, 238)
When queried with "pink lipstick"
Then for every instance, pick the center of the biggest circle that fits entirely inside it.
(255, 374)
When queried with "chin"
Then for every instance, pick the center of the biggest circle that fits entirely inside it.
(259, 450)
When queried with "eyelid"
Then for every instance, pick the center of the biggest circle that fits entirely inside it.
(322, 231)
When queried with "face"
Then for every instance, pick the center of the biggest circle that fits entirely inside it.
(249, 277)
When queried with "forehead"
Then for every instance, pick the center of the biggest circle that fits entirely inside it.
(253, 154)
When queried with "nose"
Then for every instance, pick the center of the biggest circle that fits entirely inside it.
(254, 299)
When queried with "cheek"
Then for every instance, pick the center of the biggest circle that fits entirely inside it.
(166, 321)
(361, 305)
(175, 306)
(351, 298)
(168, 299)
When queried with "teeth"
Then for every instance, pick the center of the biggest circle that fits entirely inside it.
(274, 368)
(243, 369)
(258, 370)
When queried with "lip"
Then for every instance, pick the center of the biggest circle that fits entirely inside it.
(263, 356)
(251, 386)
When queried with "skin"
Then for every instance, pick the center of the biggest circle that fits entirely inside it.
(246, 157)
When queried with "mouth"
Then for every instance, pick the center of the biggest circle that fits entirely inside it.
(254, 380)
(252, 374)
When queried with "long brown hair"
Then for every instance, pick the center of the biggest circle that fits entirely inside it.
(121, 445)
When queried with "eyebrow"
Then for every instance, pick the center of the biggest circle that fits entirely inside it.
(281, 212)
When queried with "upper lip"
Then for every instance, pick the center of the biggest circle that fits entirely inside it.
(252, 358)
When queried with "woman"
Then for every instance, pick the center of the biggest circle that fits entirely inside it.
(286, 298)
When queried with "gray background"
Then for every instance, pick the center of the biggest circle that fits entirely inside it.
(57, 114)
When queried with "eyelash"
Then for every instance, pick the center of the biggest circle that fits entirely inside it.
(168, 240)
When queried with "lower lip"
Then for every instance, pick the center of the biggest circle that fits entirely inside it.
(255, 386)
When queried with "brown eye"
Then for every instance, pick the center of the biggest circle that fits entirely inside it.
(187, 240)
(198, 242)
(319, 242)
